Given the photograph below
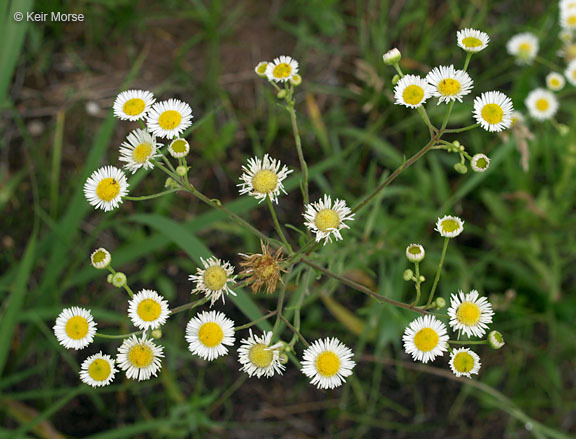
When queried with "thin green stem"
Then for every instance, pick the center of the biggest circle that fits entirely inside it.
(437, 277)
(294, 330)
(188, 306)
(297, 140)
(461, 130)
(467, 62)
(279, 310)
(126, 286)
(255, 322)
(118, 335)
(468, 341)
(277, 224)
(418, 289)
(447, 117)
(424, 115)
(150, 197)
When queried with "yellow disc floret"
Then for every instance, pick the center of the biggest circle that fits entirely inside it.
(492, 113)
(260, 356)
(468, 313)
(99, 370)
(142, 152)
(264, 181)
(328, 364)
(134, 106)
(449, 87)
(282, 70)
(149, 310)
(108, 189)
(463, 362)
(426, 339)
(449, 225)
(215, 277)
(471, 42)
(140, 355)
(99, 256)
(542, 104)
(77, 327)
(179, 146)
(169, 119)
(210, 334)
(413, 94)
(327, 219)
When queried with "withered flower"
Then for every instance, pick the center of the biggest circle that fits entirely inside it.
(262, 269)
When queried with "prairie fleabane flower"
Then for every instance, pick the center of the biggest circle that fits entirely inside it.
(469, 313)
(570, 72)
(412, 91)
(169, 118)
(449, 226)
(327, 363)
(542, 104)
(425, 338)
(555, 81)
(179, 148)
(100, 258)
(140, 358)
(464, 362)
(568, 18)
(258, 357)
(296, 80)
(75, 328)
(496, 340)
(98, 370)
(138, 151)
(148, 310)
(493, 111)
(449, 84)
(209, 333)
(472, 40)
(281, 69)
(213, 279)
(327, 219)
(260, 69)
(415, 253)
(133, 104)
(393, 56)
(105, 188)
(524, 47)
(262, 269)
(480, 162)
(263, 178)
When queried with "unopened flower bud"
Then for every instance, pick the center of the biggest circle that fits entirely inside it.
(395, 79)
(109, 278)
(182, 170)
(392, 57)
(563, 129)
(421, 278)
(296, 80)
(119, 279)
(157, 333)
(100, 258)
(408, 275)
(460, 168)
(415, 252)
(281, 94)
(495, 339)
(170, 183)
(480, 163)
(440, 302)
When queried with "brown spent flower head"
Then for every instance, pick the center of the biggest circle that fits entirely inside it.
(262, 269)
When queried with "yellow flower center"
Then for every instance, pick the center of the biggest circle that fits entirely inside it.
(215, 277)
(149, 310)
(492, 113)
(574, 73)
(169, 120)
(77, 327)
(449, 225)
(413, 94)
(554, 82)
(463, 362)
(142, 152)
(99, 369)
(572, 20)
(134, 106)
(414, 250)
(468, 313)
(179, 146)
(482, 163)
(542, 104)
(140, 355)
(426, 339)
(108, 189)
(98, 256)
(471, 42)
(449, 87)
(210, 334)
(262, 68)
(327, 219)
(264, 181)
(282, 70)
(328, 364)
(524, 50)
(260, 356)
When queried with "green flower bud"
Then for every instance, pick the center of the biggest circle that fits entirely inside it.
(440, 302)
(182, 170)
(408, 275)
(460, 168)
(157, 333)
(283, 358)
(495, 339)
(109, 278)
(119, 279)
(392, 57)
(281, 94)
(395, 79)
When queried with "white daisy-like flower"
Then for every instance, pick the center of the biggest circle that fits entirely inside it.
(209, 333)
(213, 279)
(261, 68)
(98, 370)
(281, 69)
(179, 148)
(568, 18)
(327, 219)
(449, 226)
(555, 81)
(495, 339)
(105, 188)
(412, 91)
(469, 313)
(524, 47)
(133, 104)
(493, 111)
(148, 310)
(140, 358)
(449, 84)
(472, 40)
(75, 328)
(263, 178)
(258, 357)
(542, 104)
(425, 338)
(138, 151)
(327, 363)
(100, 258)
(415, 253)
(464, 362)
(480, 162)
(570, 72)
(169, 118)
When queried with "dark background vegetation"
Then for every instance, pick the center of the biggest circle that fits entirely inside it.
(57, 84)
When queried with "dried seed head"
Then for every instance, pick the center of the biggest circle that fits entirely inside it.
(262, 269)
